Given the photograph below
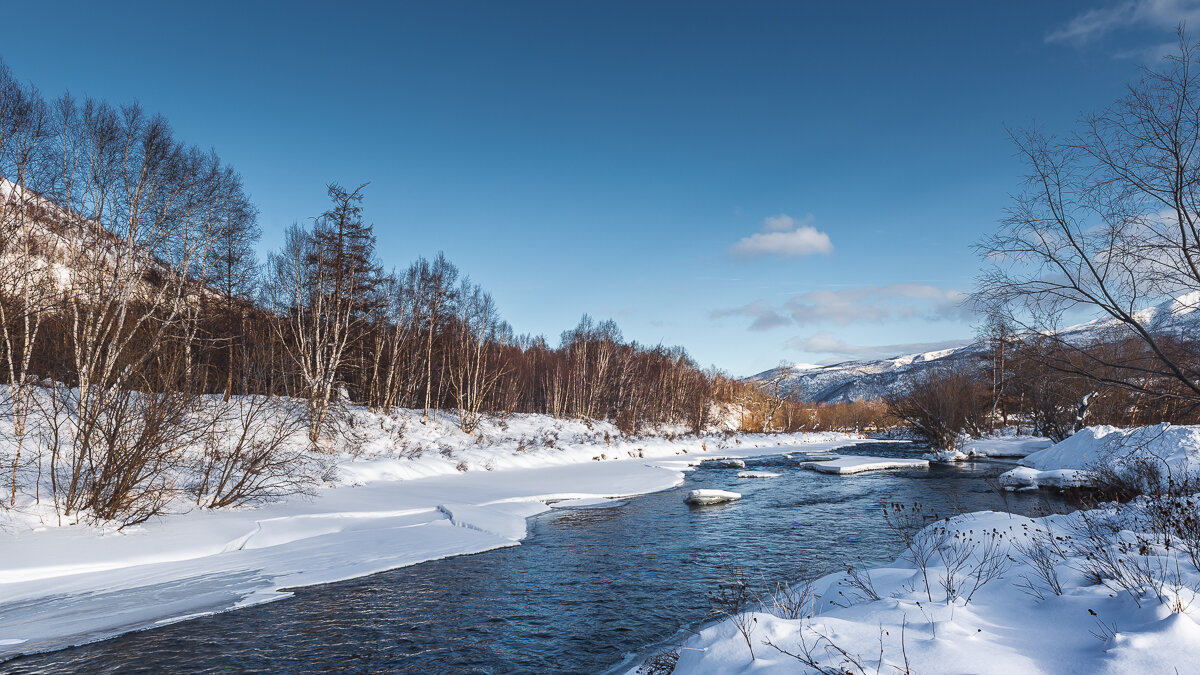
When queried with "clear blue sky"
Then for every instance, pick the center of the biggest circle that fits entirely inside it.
(618, 158)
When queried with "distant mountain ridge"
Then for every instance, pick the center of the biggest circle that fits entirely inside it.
(870, 379)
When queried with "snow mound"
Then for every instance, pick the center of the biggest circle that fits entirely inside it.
(1174, 450)
(705, 497)
(945, 456)
(731, 463)
(848, 465)
(1005, 446)
(757, 474)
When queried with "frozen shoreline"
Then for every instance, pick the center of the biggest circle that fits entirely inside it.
(64, 586)
(1112, 590)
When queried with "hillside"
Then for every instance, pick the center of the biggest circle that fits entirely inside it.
(868, 379)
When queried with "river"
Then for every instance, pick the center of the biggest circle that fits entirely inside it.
(588, 590)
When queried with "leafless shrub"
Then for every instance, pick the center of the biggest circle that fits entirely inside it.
(859, 579)
(790, 601)
(1043, 551)
(1129, 563)
(921, 542)
(1176, 520)
(821, 654)
(733, 601)
(970, 561)
(249, 455)
(943, 404)
(123, 450)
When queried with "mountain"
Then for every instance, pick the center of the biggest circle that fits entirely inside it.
(868, 379)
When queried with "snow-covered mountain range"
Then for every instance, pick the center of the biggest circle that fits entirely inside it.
(869, 379)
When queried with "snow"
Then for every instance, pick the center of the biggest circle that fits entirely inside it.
(1024, 477)
(398, 497)
(757, 474)
(1012, 624)
(706, 496)
(991, 446)
(1005, 446)
(848, 464)
(1173, 450)
(731, 463)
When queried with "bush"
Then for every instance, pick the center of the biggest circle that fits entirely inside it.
(941, 405)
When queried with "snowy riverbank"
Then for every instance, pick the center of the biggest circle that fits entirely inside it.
(1168, 452)
(402, 493)
(1111, 590)
(1067, 599)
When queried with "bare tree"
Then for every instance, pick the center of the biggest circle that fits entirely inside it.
(941, 405)
(138, 212)
(435, 291)
(1110, 223)
(476, 364)
(320, 282)
(26, 292)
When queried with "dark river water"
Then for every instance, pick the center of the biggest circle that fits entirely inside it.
(584, 592)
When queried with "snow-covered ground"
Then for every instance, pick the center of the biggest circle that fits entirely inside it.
(1063, 594)
(1173, 451)
(403, 491)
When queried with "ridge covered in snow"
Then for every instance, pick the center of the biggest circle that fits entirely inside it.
(876, 378)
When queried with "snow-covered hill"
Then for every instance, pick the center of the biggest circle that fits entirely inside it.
(869, 379)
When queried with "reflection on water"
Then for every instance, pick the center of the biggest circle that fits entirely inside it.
(587, 589)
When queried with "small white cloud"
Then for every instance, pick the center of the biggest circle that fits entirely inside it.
(785, 236)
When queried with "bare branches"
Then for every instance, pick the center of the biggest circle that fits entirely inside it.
(1108, 224)
(943, 404)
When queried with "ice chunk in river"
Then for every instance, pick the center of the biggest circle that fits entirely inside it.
(757, 474)
(702, 497)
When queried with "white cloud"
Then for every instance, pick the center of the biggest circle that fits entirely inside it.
(872, 304)
(1100, 21)
(866, 304)
(827, 343)
(785, 236)
(785, 223)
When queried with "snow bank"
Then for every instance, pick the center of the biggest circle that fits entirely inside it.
(849, 464)
(1174, 450)
(1005, 446)
(991, 446)
(1014, 623)
(757, 474)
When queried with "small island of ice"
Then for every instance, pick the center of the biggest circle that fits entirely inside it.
(705, 497)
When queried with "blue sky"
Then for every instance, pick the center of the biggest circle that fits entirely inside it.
(754, 181)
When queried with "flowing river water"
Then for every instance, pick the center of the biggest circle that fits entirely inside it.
(588, 590)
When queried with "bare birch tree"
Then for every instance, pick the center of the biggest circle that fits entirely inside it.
(320, 281)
